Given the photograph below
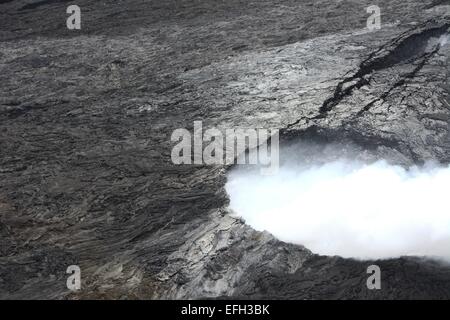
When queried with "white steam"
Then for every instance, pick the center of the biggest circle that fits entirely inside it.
(348, 208)
(444, 40)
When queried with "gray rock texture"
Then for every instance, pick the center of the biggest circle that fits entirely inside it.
(86, 117)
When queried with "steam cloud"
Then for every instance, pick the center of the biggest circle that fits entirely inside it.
(348, 207)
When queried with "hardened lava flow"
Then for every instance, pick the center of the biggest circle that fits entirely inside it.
(86, 118)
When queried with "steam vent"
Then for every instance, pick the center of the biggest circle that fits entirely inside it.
(193, 149)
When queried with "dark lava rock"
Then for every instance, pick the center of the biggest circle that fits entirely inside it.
(86, 118)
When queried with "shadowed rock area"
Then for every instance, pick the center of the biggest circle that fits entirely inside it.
(86, 117)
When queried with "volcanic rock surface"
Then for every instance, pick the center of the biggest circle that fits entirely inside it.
(86, 117)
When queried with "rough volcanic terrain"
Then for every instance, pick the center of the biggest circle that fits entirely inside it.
(86, 117)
